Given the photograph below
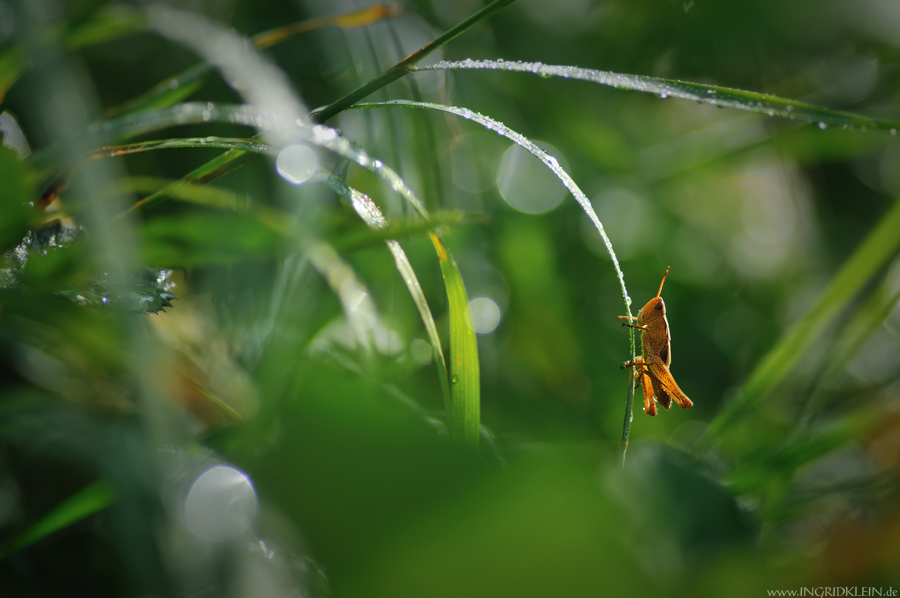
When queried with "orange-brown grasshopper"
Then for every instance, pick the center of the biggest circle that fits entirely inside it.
(652, 367)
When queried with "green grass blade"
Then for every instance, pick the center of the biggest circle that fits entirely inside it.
(464, 418)
(876, 250)
(722, 97)
(84, 503)
(859, 328)
(404, 66)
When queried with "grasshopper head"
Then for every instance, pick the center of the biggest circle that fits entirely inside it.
(656, 307)
(654, 310)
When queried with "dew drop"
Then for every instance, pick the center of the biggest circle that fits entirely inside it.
(324, 133)
(454, 379)
(823, 126)
(663, 96)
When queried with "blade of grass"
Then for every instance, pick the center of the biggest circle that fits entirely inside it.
(348, 20)
(92, 499)
(404, 66)
(629, 416)
(876, 250)
(464, 418)
(722, 97)
(858, 329)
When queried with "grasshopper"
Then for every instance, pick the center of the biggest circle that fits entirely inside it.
(652, 367)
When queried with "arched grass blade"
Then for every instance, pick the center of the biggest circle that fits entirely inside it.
(567, 180)
(877, 249)
(84, 503)
(465, 380)
(540, 154)
(723, 97)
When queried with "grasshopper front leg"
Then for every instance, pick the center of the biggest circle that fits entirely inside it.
(642, 372)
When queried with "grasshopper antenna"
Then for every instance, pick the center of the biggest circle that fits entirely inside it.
(663, 281)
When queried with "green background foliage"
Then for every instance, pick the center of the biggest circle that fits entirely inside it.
(300, 348)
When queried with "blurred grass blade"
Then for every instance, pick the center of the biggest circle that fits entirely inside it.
(183, 85)
(857, 330)
(238, 143)
(61, 180)
(722, 97)
(12, 64)
(358, 18)
(758, 473)
(876, 250)
(404, 66)
(195, 112)
(110, 23)
(372, 216)
(355, 298)
(464, 417)
(84, 503)
(218, 167)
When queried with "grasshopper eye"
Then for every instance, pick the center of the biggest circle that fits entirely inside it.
(658, 306)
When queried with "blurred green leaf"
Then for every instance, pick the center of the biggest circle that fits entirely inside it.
(15, 195)
(877, 249)
(215, 168)
(84, 503)
(185, 84)
(12, 64)
(112, 22)
(207, 238)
